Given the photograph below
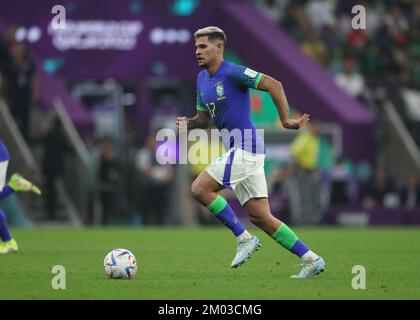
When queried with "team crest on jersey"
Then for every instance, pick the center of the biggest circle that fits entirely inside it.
(220, 91)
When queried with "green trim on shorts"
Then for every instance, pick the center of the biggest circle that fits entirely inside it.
(217, 205)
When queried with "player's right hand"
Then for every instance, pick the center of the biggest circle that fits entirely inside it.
(182, 124)
(297, 123)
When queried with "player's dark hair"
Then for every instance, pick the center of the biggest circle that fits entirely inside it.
(212, 32)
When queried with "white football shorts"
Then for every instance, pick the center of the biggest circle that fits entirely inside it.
(242, 172)
(3, 172)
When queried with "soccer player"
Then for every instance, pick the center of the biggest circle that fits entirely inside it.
(223, 99)
(16, 183)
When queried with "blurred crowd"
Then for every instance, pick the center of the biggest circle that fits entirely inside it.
(385, 57)
(381, 61)
(305, 189)
(18, 80)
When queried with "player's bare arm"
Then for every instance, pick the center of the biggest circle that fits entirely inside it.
(275, 88)
(200, 121)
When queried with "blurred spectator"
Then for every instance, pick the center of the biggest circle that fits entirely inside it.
(410, 193)
(332, 40)
(154, 182)
(374, 15)
(109, 181)
(55, 148)
(132, 143)
(345, 6)
(305, 199)
(381, 192)
(410, 111)
(280, 189)
(6, 44)
(343, 23)
(296, 22)
(414, 56)
(350, 80)
(90, 174)
(371, 62)
(305, 146)
(273, 9)
(4, 57)
(384, 39)
(21, 86)
(357, 39)
(343, 184)
(315, 48)
(320, 13)
(397, 24)
(415, 15)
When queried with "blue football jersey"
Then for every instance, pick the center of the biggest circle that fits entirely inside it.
(4, 154)
(225, 96)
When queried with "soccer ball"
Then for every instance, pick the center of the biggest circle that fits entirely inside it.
(120, 264)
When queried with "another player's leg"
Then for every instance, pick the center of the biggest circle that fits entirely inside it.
(260, 215)
(19, 183)
(8, 244)
(204, 190)
(16, 183)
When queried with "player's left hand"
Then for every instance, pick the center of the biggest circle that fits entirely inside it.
(297, 123)
(182, 124)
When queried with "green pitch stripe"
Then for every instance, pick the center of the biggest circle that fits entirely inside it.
(258, 80)
(217, 205)
(285, 236)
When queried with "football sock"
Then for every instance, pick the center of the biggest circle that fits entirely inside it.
(288, 239)
(244, 236)
(224, 213)
(5, 192)
(4, 228)
(309, 256)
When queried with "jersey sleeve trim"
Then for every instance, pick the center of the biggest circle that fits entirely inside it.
(199, 102)
(257, 80)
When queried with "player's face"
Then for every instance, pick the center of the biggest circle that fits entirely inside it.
(205, 51)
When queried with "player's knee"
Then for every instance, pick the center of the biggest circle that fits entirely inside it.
(260, 220)
(196, 190)
(256, 219)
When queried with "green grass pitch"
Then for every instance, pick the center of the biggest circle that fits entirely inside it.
(183, 263)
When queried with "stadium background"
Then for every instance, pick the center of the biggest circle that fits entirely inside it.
(82, 124)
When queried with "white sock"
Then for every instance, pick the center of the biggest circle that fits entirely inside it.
(309, 256)
(244, 236)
